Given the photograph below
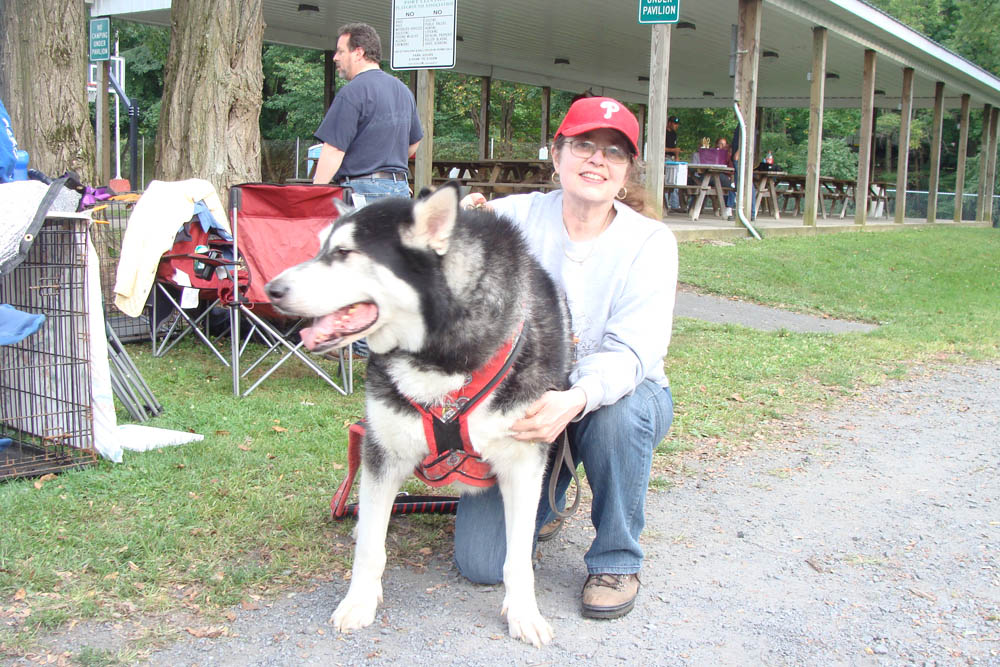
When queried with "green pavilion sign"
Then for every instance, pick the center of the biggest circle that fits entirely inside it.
(100, 39)
(659, 11)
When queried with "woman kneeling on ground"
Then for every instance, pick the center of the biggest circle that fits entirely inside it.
(618, 269)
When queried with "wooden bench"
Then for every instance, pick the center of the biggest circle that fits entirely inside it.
(492, 190)
(791, 196)
(685, 193)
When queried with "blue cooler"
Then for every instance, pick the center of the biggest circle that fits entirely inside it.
(312, 157)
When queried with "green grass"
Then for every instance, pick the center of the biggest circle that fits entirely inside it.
(933, 293)
(197, 528)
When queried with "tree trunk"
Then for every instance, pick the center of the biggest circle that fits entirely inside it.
(213, 78)
(43, 67)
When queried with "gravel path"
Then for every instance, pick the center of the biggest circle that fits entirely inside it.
(728, 310)
(866, 535)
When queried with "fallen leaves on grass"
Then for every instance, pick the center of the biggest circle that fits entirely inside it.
(40, 482)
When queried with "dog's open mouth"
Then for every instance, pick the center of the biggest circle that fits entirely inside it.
(328, 331)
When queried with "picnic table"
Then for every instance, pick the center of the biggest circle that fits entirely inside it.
(878, 198)
(791, 189)
(767, 183)
(708, 186)
(496, 177)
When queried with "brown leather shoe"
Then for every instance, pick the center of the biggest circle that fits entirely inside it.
(550, 530)
(609, 595)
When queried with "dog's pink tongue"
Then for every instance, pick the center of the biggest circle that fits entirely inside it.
(340, 323)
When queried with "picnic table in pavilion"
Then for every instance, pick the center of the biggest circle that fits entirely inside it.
(496, 177)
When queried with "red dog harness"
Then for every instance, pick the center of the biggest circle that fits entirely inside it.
(451, 456)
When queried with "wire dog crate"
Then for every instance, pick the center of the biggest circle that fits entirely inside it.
(46, 418)
(106, 235)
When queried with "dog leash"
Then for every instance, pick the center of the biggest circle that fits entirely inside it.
(563, 457)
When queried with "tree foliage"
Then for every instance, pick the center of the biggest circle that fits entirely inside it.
(970, 28)
(293, 92)
(144, 49)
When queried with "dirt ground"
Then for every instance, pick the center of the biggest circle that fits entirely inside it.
(868, 535)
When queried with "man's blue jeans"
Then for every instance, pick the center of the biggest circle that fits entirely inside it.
(377, 188)
(372, 189)
(615, 443)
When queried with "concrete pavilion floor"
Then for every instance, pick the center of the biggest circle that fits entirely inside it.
(709, 227)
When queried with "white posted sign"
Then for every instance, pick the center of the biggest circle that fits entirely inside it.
(423, 34)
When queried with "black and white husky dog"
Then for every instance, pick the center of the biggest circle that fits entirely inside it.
(436, 290)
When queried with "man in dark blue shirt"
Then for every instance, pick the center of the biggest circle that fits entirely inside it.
(372, 128)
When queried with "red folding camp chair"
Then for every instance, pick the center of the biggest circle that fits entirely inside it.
(191, 280)
(275, 227)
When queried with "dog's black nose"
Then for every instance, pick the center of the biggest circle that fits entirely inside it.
(275, 290)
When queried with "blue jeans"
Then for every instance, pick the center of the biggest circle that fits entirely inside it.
(615, 443)
(731, 196)
(377, 188)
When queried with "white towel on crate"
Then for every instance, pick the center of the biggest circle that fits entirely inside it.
(152, 226)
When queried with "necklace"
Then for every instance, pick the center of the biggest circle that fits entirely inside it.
(582, 250)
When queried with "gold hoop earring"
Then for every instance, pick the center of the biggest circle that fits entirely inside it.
(622, 194)
(554, 177)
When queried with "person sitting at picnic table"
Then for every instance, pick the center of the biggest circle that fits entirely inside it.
(618, 269)
(727, 181)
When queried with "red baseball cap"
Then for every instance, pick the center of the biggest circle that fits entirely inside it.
(595, 113)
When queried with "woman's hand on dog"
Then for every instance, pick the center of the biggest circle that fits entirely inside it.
(547, 417)
(474, 200)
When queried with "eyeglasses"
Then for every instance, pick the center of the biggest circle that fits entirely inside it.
(613, 153)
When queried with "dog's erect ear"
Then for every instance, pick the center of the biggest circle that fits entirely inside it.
(424, 193)
(342, 208)
(433, 220)
(324, 234)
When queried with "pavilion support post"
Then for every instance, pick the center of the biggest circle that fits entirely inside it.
(641, 117)
(424, 162)
(903, 160)
(329, 79)
(935, 180)
(484, 117)
(659, 76)
(103, 130)
(546, 107)
(983, 151)
(816, 94)
(747, 63)
(991, 171)
(865, 142)
(963, 149)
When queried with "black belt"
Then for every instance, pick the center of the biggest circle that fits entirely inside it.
(388, 175)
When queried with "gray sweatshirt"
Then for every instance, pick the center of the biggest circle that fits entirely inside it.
(620, 287)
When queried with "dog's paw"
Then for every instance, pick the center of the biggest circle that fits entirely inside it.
(355, 612)
(527, 624)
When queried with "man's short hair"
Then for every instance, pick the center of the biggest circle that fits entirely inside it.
(363, 36)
